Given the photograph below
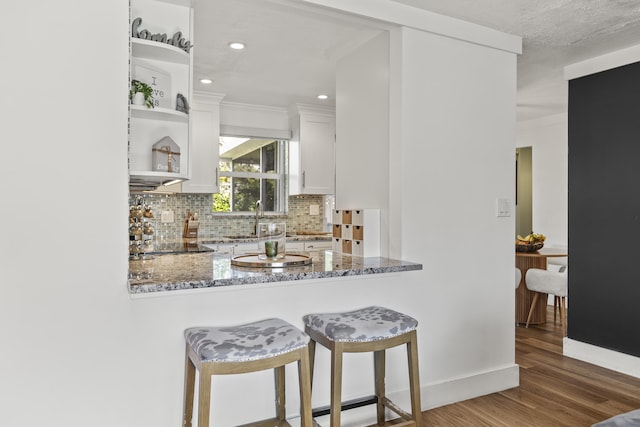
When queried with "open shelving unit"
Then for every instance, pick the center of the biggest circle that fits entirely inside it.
(149, 125)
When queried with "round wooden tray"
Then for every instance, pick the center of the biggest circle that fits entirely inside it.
(252, 260)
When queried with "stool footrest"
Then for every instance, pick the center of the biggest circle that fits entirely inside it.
(349, 404)
(395, 408)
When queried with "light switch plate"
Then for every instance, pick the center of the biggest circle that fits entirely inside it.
(314, 210)
(503, 207)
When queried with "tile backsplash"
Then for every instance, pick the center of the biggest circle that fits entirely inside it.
(219, 225)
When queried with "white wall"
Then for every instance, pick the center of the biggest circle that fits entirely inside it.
(547, 138)
(77, 351)
(362, 127)
(454, 145)
(69, 351)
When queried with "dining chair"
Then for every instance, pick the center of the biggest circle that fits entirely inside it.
(518, 276)
(548, 282)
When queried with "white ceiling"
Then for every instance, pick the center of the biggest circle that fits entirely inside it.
(291, 51)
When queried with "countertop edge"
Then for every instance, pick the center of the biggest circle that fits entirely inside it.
(288, 276)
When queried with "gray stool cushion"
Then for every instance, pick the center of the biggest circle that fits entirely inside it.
(253, 341)
(627, 419)
(364, 325)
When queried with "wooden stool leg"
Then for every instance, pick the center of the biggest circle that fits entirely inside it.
(379, 375)
(312, 358)
(204, 399)
(189, 386)
(533, 305)
(281, 411)
(304, 379)
(414, 377)
(336, 385)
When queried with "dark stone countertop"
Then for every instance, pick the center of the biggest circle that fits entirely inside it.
(196, 270)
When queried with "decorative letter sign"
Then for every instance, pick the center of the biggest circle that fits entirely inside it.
(177, 40)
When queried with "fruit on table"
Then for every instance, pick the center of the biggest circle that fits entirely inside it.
(530, 238)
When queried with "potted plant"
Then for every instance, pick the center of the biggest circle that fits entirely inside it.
(141, 93)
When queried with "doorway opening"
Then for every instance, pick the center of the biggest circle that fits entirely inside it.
(524, 217)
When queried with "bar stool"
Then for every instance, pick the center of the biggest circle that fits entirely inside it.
(371, 329)
(266, 344)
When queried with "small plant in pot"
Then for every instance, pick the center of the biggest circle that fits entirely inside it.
(141, 93)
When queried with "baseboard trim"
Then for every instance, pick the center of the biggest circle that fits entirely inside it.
(437, 394)
(610, 359)
(459, 389)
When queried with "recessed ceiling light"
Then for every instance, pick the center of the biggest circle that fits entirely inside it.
(323, 96)
(236, 45)
(206, 81)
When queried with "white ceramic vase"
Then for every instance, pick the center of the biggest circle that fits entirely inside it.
(138, 98)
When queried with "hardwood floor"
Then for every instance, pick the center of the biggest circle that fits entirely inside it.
(554, 390)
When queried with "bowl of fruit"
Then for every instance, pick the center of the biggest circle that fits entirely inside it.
(530, 243)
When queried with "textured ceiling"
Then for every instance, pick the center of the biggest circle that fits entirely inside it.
(291, 51)
(555, 33)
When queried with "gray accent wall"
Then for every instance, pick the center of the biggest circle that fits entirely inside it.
(604, 209)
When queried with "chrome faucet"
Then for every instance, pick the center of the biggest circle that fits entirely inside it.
(258, 210)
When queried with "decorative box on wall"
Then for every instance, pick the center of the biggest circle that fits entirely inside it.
(166, 156)
(356, 232)
(159, 80)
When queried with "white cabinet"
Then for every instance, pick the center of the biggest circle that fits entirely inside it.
(295, 246)
(311, 150)
(205, 139)
(220, 248)
(167, 69)
(317, 245)
(252, 247)
(234, 248)
(245, 248)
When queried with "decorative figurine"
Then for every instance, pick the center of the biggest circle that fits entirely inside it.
(182, 104)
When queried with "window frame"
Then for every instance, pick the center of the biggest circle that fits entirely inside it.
(281, 177)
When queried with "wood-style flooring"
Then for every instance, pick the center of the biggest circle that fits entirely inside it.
(554, 390)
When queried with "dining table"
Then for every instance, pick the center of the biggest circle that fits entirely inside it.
(524, 297)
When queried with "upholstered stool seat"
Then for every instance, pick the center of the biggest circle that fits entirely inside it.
(266, 344)
(371, 329)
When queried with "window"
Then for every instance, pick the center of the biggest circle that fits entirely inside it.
(251, 169)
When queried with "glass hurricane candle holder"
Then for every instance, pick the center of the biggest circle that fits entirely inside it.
(272, 239)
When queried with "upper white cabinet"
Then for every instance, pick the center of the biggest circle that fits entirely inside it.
(311, 150)
(205, 141)
(161, 37)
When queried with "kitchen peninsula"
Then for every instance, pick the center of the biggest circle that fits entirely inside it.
(207, 270)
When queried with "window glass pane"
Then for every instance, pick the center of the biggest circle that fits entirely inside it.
(250, 162)
(246, 192)
(225, 165)
(269, 158)
(222, 200)
(269, 194)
